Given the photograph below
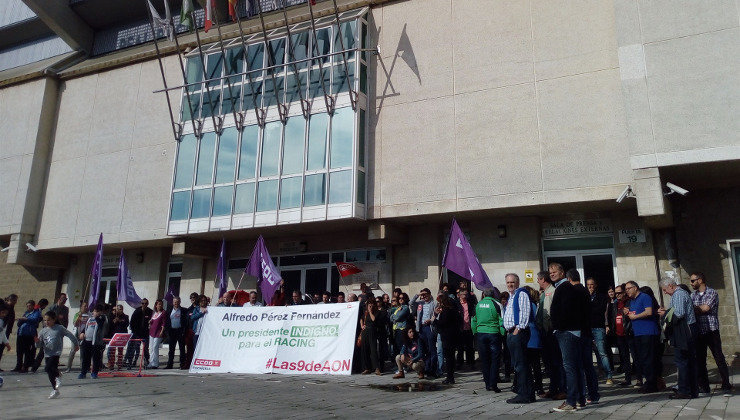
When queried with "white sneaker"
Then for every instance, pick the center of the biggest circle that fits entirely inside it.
(58, 383)
(54, 394)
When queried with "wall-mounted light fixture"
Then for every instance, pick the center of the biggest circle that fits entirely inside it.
(140, 257)
(501, 231)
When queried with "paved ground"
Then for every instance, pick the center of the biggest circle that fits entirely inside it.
(178, 394)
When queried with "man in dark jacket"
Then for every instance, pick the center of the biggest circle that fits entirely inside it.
(119, 324)
(140, 330)
(570, 319)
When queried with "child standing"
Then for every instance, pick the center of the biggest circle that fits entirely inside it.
(92, 344)
(50, 339)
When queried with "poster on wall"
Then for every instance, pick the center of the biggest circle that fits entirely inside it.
(306, 339)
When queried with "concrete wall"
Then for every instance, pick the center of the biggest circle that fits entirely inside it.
(417, 264)
(704, 223)
(678, 64)
(28, 115)
(111, 167)
(512, 103)
(27, 283)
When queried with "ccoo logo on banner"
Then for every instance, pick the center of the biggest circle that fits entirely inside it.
(315, 339)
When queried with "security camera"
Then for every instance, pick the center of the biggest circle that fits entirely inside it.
(626, 193)
(673, 188)
(5, 249)
(31, 247)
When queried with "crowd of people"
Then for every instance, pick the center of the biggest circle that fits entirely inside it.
(560, 325)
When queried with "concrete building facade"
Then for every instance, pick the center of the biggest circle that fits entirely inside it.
(524, 120)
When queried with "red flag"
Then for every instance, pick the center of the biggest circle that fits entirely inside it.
(345, 269)
(232, 9)
(313, 2)
(209, 15)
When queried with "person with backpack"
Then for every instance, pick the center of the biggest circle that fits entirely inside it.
(488, 329)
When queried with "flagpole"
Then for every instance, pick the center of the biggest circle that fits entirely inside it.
(282, 108)
(328, 99)
(216, 126)
(305, 105)
(259, 112)
(176, 128)
(196, 131)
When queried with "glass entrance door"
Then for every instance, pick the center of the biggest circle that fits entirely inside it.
(308, 280)
(597, 264)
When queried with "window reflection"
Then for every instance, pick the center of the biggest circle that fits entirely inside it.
(340, 187)
(267, 195)
(271, 148)
(290, 193)
(185, 162)
(201, 203)
(180, 205)
(317, 141)
(342, 130)
(222, 201)
(226, 155)
(315, 190)
(248, 158)
(244, 202)
(293, 149)
(205, 159)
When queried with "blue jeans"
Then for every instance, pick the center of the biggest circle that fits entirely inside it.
(587, 365)
(600, 341)
(570, 348)
(428, 341)
(440, 356)
(518, 349)
(489, 351)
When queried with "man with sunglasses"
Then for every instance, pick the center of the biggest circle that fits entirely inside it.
(140, 331)
(622, 328)
(706, 306)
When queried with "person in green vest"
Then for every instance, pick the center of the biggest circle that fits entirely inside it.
(487, 325)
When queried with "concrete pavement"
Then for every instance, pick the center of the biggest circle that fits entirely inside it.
(175, 394)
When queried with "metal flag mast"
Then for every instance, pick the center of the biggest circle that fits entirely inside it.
(259, 112)
(282, 108)
(350, 82)
(238, 118)
(197, 124)
(176, 127)
(328, 99)
(305, 104)
(217, 126)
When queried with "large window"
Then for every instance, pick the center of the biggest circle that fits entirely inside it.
(312, 165)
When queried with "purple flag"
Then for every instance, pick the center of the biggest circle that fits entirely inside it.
(125, 286)
(223, 281)
(96, 273)
(170, 295)
(461, 260)
(261, 266)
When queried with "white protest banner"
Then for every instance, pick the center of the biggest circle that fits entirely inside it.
(306, 339)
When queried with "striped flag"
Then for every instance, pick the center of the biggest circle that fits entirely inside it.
(232, 9)
(209, 15)
(186, 14)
